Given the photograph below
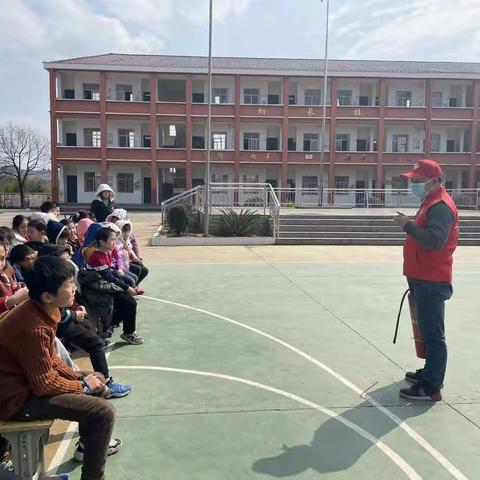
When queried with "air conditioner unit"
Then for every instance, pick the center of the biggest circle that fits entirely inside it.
(308, 156)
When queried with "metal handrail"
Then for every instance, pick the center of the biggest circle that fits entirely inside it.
(193, 192)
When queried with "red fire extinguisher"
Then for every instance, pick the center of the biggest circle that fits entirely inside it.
(417, 336)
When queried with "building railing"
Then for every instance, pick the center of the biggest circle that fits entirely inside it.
(366, 198)
(31, 200)
(258, 196)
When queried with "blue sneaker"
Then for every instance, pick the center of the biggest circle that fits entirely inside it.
(117, 390)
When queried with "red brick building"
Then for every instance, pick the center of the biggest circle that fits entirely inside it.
(138, 122)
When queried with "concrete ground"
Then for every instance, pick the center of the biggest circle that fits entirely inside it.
(278, 362)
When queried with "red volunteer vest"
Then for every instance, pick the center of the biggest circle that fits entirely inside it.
(431, 265)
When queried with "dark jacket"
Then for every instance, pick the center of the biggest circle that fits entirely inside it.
(100, 210)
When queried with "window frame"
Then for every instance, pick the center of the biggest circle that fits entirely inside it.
(125, 182)
(248, 97)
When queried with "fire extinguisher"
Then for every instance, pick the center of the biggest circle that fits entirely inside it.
(417, 336)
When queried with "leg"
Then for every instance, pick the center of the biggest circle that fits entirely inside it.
(126, 310)
(82, 336)
(430, 309)
(141, 271)
(95, 417)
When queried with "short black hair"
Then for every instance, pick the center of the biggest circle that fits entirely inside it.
(66, 221)
(19, 253)
(38, 224)
(103, 234)
(45, 207)
(47, 274)
(7, 234)
(82, 214)
(50, 249)
(18, 220)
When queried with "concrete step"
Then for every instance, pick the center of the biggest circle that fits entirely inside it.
(357, 228)
(335, 234)
(355, 241)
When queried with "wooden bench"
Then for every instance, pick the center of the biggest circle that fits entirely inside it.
(27, 440)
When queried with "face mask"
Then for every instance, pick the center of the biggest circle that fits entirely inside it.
(418, 189)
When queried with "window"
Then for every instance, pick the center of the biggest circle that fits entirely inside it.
(363, 145)
(311, 142)
(363, 100)
(71, 139)
(313, 96)
(219, 141)
(404, 99)
(217, 178)
(453, 146)
(198, 98)
(198, 142)
(400, 143)
(273, 99)
(146, 96)
(126, 138)
(124, 92)
(251, 96)
(125, 182)
(251, 141)
(91, 137)
(91, 91)
(342, 142)
(453, 102)
(437, 99)
(272, 143)
(90, 181)
(69, 93)
(399, 183)
(250, 178)
(172, 131)
(435, 141)
(220, 95)
(292, 99)
(310, 181)
(292, 145)
(147, 141)
(344, 97)
(342, 182)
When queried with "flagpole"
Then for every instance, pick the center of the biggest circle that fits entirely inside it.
(324, 113)
(209, 124)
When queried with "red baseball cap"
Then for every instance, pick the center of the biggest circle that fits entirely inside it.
(425, 169)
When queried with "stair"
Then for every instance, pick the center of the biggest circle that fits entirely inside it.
(295, 229)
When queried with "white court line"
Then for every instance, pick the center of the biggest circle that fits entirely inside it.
(67, 438)
(395, 457)
(409, 430)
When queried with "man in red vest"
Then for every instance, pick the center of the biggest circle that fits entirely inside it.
(427, 263)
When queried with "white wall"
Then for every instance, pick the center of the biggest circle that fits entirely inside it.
(75, 80)
(447, 133)
(126, 198)
(75, 126)
(299, 85)
(141, 128)
(125, 79)
(79, 171)
(260, 83)
(354, 86)
(262, 130)
(298, 131)
(417, 87)
(445, 88)
(218, 81)
(416, 136)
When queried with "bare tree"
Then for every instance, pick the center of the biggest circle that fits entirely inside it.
(22, 152)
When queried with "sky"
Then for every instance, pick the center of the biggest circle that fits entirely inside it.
(33, 31)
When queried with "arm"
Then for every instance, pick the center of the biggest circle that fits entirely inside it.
(136, 249)
(439, 223)
(46, 376)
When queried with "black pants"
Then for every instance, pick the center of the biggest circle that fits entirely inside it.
(125, 310)
(95, 417)
(81, 335)
(141, 271)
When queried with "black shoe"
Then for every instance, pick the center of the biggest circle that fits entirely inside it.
(415, 377)
(421, 391)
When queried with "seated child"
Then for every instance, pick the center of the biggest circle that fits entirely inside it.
(100, 260)
(21, 257)
(130, 260)
(37, 234)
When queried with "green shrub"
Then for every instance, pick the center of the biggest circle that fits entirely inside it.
(178, 219)
(238, 224)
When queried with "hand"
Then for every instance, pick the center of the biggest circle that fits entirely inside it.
(94, 384)
(81, 312)
(121, 272)
(401, 220)
(131, 291)
(18, 297)
(100, 376)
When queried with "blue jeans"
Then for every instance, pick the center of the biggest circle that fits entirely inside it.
(429, 298)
